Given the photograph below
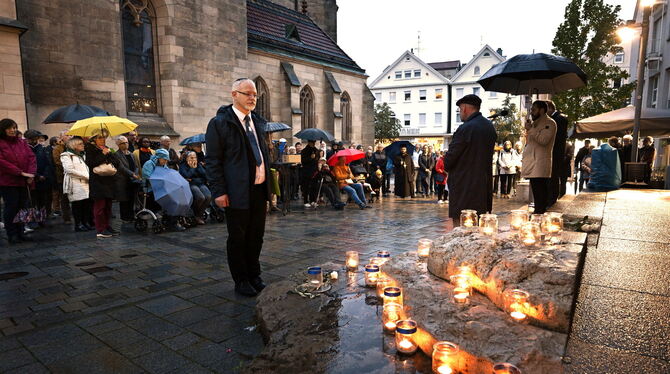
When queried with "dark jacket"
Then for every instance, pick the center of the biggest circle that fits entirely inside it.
(379, 162)
(174, 161)
(581, 154)
(468, 162)
(196, 176)
(45, 168)
(309, 159)
(123, 177)
(426, 161)
(100, 187)
(15, 158)
(230, 162)
(558, 153)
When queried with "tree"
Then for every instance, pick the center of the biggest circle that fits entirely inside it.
(387, 127)
(508, 127)
(586, 36)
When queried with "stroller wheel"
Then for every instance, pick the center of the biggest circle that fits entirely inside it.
(157, 227)
(141, 225)
(188, 222)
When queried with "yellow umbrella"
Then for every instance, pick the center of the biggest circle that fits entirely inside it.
(94, 126)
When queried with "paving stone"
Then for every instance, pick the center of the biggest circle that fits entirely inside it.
(105, 327)
(182, 341)
(156, 328)
(217, 329)
(101, 361)
(129, 313)
(165, 305)
(161, 361)
(208, 300)
(57, 333)
(65, 348)
(15, 358)
(139, 347)
(190, 316)
(589, 358)
(34, 368)
(121, 337)
(209, 354)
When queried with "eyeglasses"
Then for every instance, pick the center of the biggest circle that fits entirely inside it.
(253, 96)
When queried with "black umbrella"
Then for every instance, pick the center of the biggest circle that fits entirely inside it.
(276, 127)
(195, 139)
(73, 113)
(533, 74)
(314, 134)
(393, 149)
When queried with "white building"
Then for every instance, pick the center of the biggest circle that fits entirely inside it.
(465, 82)
(419, 97)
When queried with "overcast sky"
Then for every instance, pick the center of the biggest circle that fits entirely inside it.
(376, 32)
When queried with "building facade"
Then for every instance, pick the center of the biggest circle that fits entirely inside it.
(419, 97)
(12, 99)
(169, 65)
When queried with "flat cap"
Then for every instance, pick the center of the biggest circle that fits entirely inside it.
(31, 134)
(470, 99)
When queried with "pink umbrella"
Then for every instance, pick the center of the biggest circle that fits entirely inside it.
(349, 154)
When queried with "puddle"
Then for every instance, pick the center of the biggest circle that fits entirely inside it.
(362, 346)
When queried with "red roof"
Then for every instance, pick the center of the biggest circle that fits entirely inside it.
(266, 29)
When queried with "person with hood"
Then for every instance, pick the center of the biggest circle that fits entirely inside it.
(102, 188)
(196, 176)
(75, 183)
(44, 175)
(17, 173)
(468, 161)
(309, 159)
(404, 174)
(159, 159)
(537, 157)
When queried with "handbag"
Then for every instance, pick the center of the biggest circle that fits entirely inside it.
(105, 170)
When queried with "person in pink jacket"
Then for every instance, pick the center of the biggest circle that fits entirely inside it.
(17, 172)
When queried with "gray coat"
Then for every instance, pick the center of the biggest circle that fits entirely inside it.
(123, 177)
(468, 163)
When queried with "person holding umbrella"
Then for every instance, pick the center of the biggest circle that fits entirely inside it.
(537, 157)
(309, 158)
(468, 161)
(101, 182)
(345, 180)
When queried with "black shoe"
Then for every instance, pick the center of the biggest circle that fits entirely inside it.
(245, 288)
(80, 228)
(368, 206)
(257, 284)
(112, 231)
(362, 206)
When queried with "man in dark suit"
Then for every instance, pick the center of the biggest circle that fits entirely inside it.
(559, 177)
(468, 161)
(238, 172)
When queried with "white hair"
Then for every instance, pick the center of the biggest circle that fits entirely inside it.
(238, 82)
(165, 137)
(121, 139)
(628, 137)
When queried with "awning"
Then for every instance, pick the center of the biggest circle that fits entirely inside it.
(653, 122)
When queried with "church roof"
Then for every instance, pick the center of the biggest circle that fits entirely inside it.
(274, 28)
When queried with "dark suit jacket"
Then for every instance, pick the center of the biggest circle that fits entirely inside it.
(557, 168)
(468, 162)
(230, 162)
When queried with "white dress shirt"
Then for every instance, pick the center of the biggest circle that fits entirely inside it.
(260, 169)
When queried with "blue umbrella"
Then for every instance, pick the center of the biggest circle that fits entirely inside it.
(74, 113)
(276, 127)
(200, 138)
(393, 149)
(171, 191)
(314, 134)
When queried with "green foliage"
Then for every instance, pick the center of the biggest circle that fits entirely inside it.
(387, 127)
(508, 127)
(586, 36)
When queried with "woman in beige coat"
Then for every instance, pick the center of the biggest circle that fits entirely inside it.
(75, 183)
(536, 161)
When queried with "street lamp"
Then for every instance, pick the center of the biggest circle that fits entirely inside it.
(627, 33)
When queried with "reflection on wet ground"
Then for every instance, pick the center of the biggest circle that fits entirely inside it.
(363, 347)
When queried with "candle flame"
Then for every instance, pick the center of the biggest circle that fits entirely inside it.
(444, 369)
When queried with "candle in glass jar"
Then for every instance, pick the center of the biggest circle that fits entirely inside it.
(383, 281)
(392, 295)
(377, 261)
(517, 218)
(390, 316)
(517, 301)
(384, 256)
(404, 336)
(314, 276)
(468, 218)
(352, 260)
(371, 275)
(529, 233)
(505, 368)
(488, 224)
(445, 356)
(461, 283)
(425, 245)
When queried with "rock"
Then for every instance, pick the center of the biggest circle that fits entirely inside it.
(546, 272)
(485, 334)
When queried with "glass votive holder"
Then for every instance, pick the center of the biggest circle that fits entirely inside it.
(383, 281)
(516, 304)
(315, 276)
(505, 368)
(462, 288)
(404, 336)
(352, 260)
(377, 261)
(468, 218)
(393, 295)
(384, 255)
(488, 224)
(445, 358)
(390, 316)
(552, 223)
(530, 234)
(424, 247)
(371, 275)
(517, 218)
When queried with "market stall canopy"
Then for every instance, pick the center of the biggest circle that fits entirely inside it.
(653, 122)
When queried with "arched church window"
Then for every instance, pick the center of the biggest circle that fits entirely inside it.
(263, 100)
(307, 107)
(345, 109)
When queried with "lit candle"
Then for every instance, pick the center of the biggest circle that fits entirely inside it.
(517, 218)
(404, 336)
(314, 276)
(333, 275)
(468, 217)
(390, 316)
(392, 295)
(384, 256)
(425, 245)
(371, 275)
(461, 283)
(529, 233)
(445, 356)
(377, 261)
(352, 260)
(505, 368)
(382, 282)
(488, 224)
(517, 301)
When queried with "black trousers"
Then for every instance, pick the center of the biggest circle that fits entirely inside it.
(386, 183)
(14, 198)
(554, 187)
(506, 181)
(82, 211)
(441, 192)
(540, 188)
(127, 208)
(246, 228)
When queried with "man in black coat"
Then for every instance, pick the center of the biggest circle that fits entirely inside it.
(379, 163)
(309, 159)
(558, 175)
(468, 161)
(238, 171)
